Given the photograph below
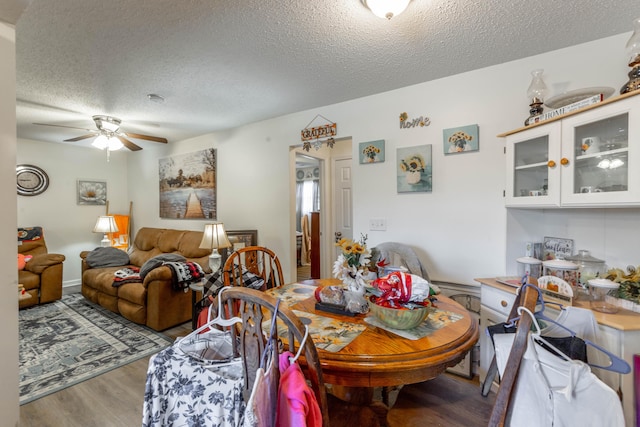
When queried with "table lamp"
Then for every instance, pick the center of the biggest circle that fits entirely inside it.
(105, 224)
(214, 238)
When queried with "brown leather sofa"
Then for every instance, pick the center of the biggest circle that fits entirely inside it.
(42, 275)
(152, 302)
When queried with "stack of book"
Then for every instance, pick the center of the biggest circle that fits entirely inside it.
(566, 109)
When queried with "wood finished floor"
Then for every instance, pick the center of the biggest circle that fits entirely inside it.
(115, 399)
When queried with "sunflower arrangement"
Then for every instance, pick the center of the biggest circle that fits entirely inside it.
(414, 163)
(371, 152)
(351, 265)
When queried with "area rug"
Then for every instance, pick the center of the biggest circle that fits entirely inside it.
(72, 340)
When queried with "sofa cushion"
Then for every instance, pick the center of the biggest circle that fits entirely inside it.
(157, 261)
(107, 257)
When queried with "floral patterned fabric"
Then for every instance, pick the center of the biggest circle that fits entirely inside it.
(182, 391)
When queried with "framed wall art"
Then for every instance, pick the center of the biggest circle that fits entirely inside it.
(240, 239)
(414, 169)
(372, 152)
(91, 192)
(461, 139)
(188, 185)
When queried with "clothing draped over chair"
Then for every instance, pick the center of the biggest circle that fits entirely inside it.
(205, 379)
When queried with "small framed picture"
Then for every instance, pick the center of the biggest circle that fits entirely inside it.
(92, 192)
(414, 169)
(461, 139)
(372, 152)
(241, 238)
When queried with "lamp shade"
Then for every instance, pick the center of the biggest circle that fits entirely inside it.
(386, 8)
(105, 224)
(214, 237)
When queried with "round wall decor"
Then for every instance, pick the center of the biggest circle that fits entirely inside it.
(300, 174)
(31, 180)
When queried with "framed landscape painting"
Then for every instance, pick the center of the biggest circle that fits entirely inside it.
(414, 169)
(188, 185)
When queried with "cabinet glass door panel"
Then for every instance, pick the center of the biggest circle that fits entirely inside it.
(531, 172)
(601, 156)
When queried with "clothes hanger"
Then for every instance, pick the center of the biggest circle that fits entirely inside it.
(268, 352)
(617, 364)
(218, 320)
(537, 334)
(294, 359)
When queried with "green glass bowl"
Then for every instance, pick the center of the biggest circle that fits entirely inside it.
(397, 318)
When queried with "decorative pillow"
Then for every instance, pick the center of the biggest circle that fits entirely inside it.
(157, 261)
(107, 257)
(22, 261)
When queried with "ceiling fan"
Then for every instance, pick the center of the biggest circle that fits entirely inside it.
(108, 134)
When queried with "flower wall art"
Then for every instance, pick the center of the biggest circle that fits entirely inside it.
(414, 169)
(372, 152)
(92, 192)
(460, 139)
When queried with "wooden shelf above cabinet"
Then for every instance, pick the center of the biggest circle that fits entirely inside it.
(572, 113)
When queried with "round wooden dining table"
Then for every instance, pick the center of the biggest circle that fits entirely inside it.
(379, 358)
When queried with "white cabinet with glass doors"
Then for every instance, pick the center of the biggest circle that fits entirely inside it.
(589, 158)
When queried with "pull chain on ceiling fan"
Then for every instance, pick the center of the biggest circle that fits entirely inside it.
(109, 136)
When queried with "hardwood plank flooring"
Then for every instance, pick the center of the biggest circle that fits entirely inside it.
(115, 399)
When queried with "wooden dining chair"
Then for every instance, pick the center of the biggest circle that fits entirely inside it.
(259, 261)
(256, 308)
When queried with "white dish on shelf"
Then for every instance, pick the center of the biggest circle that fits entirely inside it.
(572, 96)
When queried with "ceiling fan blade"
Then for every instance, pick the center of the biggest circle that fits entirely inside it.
(63, 126)
(146, 137)
(79, 138)
(130, 145)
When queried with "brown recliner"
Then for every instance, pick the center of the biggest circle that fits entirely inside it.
(42, 275)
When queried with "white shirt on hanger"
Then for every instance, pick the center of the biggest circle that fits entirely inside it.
(551, 391)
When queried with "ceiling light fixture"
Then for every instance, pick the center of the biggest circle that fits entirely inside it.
(155, 98)
(386, 8)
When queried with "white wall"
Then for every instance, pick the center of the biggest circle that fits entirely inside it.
(67, 225)
(459, 230)
(9, 397)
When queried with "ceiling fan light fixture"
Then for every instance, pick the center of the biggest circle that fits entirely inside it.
(108, 123)
(386, 8)
(101, 142)
(114, 144)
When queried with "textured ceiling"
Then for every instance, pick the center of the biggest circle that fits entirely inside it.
(221, 64)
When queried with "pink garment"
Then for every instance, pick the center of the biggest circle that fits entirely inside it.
(297, 405)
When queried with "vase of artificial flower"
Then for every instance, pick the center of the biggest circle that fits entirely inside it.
(351, 267)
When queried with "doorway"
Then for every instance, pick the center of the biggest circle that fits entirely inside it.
(307, 200)
(325, 160)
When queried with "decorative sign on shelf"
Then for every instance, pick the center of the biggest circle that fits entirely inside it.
(421, 121)
(327, 130)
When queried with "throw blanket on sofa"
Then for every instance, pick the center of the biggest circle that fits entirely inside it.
(126, 275)
(184, 274)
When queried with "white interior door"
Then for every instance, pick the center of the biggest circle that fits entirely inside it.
(342, 200)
